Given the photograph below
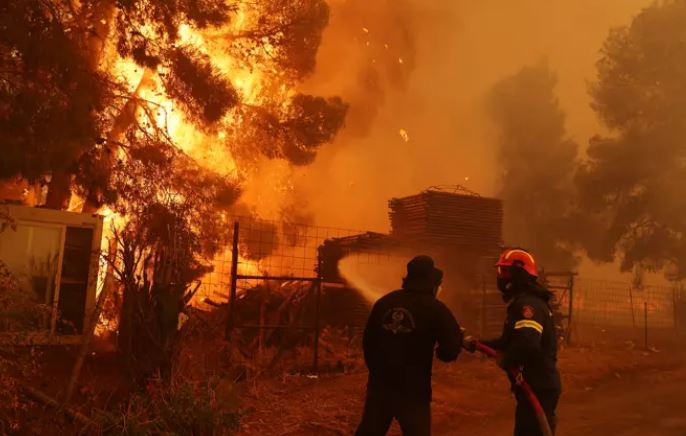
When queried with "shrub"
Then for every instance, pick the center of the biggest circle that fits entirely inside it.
(184, 409)
(16, 363)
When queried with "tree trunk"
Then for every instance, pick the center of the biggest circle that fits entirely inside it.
(125, 333)
(59, 190)
(125, 118)
(96, 19)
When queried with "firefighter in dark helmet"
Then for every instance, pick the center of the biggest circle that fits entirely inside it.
(528, 340)
(399, 342)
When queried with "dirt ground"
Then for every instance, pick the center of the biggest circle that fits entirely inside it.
(619, 392)
(623, 392)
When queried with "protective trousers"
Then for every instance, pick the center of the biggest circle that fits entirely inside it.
(414, 416)
(526, 423)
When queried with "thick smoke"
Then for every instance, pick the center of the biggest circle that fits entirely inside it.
(538, 162)
(421, 79)
(453, 53)
(382, 35)
(627, 201)
(632, 182)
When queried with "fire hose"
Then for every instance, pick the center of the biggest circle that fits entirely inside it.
(518, 377)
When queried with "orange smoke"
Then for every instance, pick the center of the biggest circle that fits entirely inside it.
(453, 53)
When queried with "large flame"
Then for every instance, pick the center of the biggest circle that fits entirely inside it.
(256, 85)
(207, 148)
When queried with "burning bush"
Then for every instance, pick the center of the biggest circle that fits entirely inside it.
(162, 250)
(156, 265)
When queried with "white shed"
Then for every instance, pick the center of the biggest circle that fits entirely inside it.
(54, 255)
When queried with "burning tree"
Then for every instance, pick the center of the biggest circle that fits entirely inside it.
(155, 110)
(216, 78)
(51, 104)
(632, 180)
(162, 250)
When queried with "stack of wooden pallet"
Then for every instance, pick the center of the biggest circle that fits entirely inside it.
(448, 219)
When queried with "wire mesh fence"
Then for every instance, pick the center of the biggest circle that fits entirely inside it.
(266, 249)
(281, 270)
(680, 308)
(600, 312)
(272, 276)
(612, 311)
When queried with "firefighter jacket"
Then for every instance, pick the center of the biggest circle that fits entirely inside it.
(399, 340)
(528, 340)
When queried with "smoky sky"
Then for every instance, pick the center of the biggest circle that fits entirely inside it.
(433, 82)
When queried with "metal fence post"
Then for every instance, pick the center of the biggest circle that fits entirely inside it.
(645, 323)
(571, 309)
(317, 308)
(234, 282)
(631, 302)
(675, 313)
(482, 325)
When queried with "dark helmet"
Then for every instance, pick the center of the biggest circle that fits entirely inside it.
(420, 267)
(422, 273)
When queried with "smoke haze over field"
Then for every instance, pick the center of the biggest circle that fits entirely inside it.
(442, 60)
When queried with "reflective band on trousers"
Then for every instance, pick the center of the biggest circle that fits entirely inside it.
(530, 324)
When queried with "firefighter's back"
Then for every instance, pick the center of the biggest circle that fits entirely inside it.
(402, 333)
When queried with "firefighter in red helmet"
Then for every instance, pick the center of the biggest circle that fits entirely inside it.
(528, 340)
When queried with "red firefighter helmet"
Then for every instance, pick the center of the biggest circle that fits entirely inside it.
(518, 257)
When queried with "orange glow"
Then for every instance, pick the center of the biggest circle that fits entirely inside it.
(209, 148)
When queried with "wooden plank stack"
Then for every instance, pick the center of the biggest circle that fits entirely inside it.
(448, 219)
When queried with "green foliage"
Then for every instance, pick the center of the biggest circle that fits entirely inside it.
(173, 229)
(161, 251)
